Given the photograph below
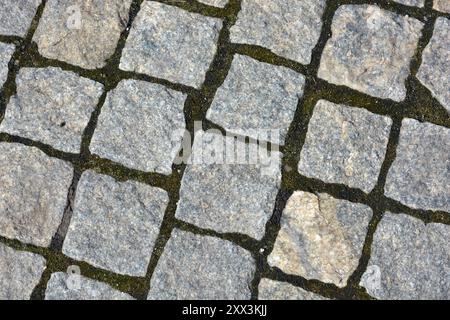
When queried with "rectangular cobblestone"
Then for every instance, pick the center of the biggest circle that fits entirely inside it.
(16, 16)
(6, 52)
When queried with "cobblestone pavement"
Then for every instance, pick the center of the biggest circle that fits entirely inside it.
(96, 95)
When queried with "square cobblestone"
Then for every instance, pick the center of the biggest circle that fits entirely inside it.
(194, 267)
(20, 273)
(370, 50)
(409, 260)
(82, 33)
(257, 96)
(345, 145)
(227, 198)
(34, 193)
(420, 174)
(141, 126)
(51, 106)
(435, 69)
(442, 5)
(62, 286)
(6, 52)
(16, 16)
(275, 290)
(115, 224)
(215, 3)
(170, 43)
(289, 28)
(321, 237)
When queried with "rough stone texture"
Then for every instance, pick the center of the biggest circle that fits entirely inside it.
(345, 145)
(442, 5)
(16, 16)
(321, 237)
(257, 96)
(420, 174)
(289, 28)
(82, 33)
(51, 106)
(141, 126)
(435, 69)
(34, 193)
(170, 43)
(20, 273)
(411, 259)
(61, 286)
(235, 198)
(6, 52)
(194, 267)
(416, 3)
(215, 3)
(275, 290)
(370, 50)
(115, 224)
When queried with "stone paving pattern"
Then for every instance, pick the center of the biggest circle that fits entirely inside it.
(94, 101)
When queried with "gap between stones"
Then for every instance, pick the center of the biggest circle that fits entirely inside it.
(419, 105)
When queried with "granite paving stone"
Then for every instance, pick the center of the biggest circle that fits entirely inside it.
(442, 5)
(20, 273)
(410, 260)
(141, 126)
(345, 145)
(416, 3)
(115, 224)
(228, 198)
(51, 106)
(195, 267)
(62, 286)
(256, 97)
(370, 50)
(170, 43)
(435, 68)
(276, 290)
(321, 237)
(420, 174)
(82, 33)
(289, 28)
(6, 52)
(16, 16)
(34, 193)
(215, 3)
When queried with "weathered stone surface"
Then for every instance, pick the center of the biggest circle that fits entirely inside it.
(345, 145)
(257, 96)
(194, 267)
(6, 52)
(62, 286)
(83, 33)
(20, 273)
(442, 5)
(409, 260)
(420, 176)
(215, 3)
(34, 193)
(321, 237)
(435, 69)
(51, 106)
(289, 28)
(170, 43)
(16, 16)
(416, 3)
(115, 224)
(275, 290)
(227, 197)
(370, 50)
(141, 126)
